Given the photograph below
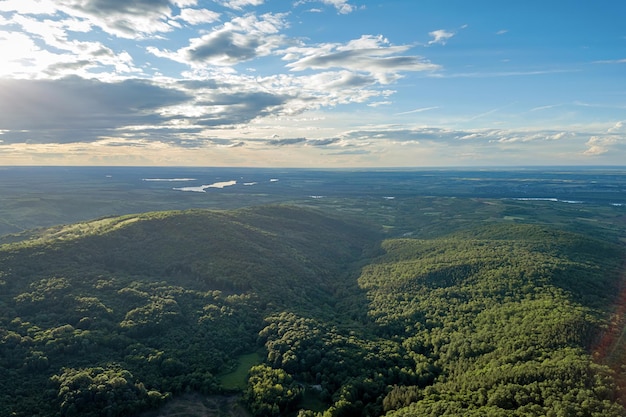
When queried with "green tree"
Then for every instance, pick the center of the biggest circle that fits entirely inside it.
(270, 392)
(109, 392)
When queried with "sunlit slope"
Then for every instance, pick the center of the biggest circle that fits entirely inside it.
(263, 249)
(499, 321)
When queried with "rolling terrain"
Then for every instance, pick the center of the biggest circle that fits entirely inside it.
(301, 312)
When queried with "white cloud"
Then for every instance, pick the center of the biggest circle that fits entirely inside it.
(133, 19)
(611, 61)
(342, 6)
(198, 16)
(618, 127)
(368, 54)
(240, 4)
(420, 110)
(335, 87)
(559, 135)
(603, 143)
(184, 3)
(237, 78)
(488, 74)
(599, 145)
(380, 103)
(440, 36)
(28, 7)
(241, 39)
(47, 30)
(18, 49)
(376, 145)
(47, 47)
(546, 107)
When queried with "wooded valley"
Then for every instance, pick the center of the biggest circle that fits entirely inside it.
(304, 313)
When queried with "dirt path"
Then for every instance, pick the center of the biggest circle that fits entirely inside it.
(196, 405)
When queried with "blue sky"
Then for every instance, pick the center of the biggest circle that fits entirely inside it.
(312, 83)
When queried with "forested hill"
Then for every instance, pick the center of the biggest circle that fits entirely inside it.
(265, 250)
(171, 297)
(503, 319)
(119, 315)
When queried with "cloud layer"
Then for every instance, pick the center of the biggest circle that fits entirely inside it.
(246, 79)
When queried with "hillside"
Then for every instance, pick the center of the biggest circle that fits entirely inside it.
(118, 315)
(173, 298)
(502, 319)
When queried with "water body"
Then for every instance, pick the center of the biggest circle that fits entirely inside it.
(203, 188)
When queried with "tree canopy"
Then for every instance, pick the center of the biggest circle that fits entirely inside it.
(115, 316)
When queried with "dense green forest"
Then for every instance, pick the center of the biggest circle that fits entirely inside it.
(319, 316)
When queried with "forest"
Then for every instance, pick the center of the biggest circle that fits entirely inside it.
(301, 312)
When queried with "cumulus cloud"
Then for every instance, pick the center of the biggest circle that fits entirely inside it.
(231, 108)
(284, 95)
(369, 54)
(132, 19)
(50, 54)
(321, 90)
(323, 75)
(598, 145)
(223, 48)
(198, 16)
(603, 143)
(239, 40)
(123, 18)
(76, 71)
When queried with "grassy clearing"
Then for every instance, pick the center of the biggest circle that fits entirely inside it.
(237, 379)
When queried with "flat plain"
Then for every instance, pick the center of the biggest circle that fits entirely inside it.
(423, 202)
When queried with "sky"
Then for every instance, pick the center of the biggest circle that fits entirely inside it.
(313, 83)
